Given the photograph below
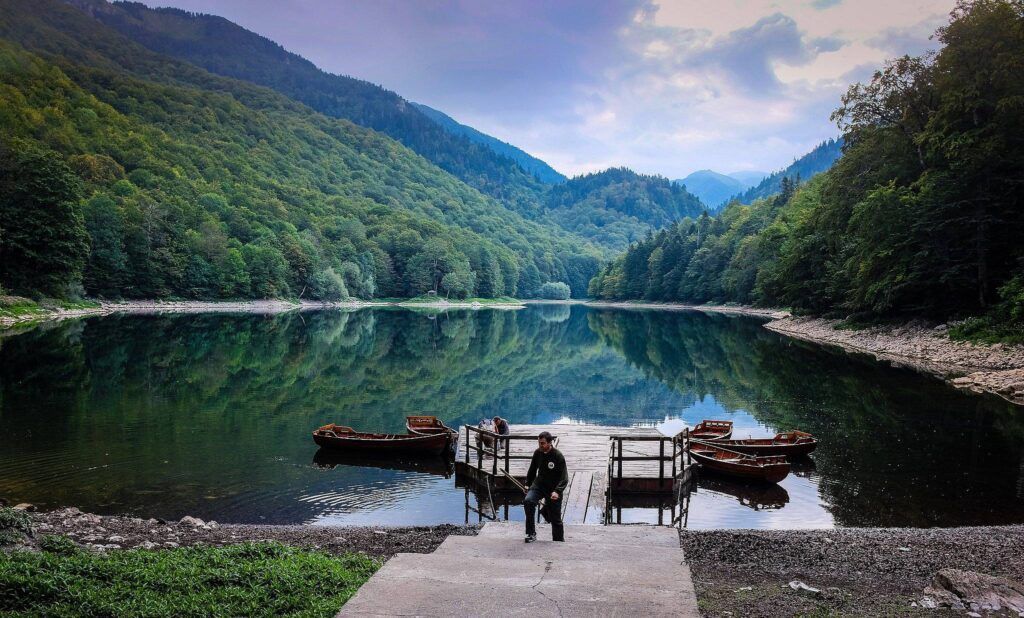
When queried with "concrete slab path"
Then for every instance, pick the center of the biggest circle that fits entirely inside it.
(599, 571)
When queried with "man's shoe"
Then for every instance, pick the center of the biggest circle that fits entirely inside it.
(530, 538)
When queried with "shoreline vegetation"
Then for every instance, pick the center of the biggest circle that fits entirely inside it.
(66, 562)
(982, 368)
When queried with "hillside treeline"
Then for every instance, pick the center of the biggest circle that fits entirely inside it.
(920, 217)
(125, 173)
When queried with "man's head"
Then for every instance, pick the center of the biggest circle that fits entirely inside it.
(496, 420)
(544, 441)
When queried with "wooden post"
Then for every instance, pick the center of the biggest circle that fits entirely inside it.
(661, 463)
(480, 457)
(619, 440)
(508, 443)
(494, 457)
(465, 447)
(674, 451)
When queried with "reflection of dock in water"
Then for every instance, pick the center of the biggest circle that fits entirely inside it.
(608, 466)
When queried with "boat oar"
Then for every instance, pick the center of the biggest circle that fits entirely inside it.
(515, 481)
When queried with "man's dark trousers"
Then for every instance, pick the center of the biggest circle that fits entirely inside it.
(554, 512)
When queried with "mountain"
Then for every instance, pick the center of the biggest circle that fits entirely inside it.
(711, 187)
(541, 170)
(190, 184)
(225, 48)
(618, 206)
(803, 169)
(749, 178)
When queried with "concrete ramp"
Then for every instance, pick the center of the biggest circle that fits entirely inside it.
(599, 571)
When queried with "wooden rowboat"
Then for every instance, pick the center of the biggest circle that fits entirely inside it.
(789, 443)
(713, 458)
(340, 437)
(712, 430)
(432, 426)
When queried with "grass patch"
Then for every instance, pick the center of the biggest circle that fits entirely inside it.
(501, 300)
(14, 526)
(985, 329)
(249, 579)
(17, 307)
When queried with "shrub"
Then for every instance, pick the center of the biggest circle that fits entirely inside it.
(554, 290)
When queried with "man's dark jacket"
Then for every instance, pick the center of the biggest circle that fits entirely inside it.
(548, 472)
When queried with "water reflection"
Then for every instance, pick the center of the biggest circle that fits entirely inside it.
(210, 414)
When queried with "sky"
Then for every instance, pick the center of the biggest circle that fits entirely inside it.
(665, 87)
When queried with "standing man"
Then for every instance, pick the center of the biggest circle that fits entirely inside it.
(547, 478)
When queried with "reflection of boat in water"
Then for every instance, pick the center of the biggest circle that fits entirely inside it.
(788, 443)
(803, 467)
(427, 464)
(713, 458)
(712, 430)
(347, 439)
(757, 496)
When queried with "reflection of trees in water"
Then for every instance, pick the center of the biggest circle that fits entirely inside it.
(227, 398)
(555, 313)
(897, 448)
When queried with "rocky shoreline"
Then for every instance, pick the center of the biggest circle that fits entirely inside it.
(997, 369)
(856, 571)
(149, 307)
(111, 532)
(844, 571)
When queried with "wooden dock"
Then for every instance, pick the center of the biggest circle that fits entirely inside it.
(603, 462)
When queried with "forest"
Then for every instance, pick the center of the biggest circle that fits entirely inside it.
(129, 174)
(610, 208)
(920, 217)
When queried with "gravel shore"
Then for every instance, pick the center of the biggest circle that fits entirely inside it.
(858, 571)
(997, 369)
(144, 307)
(103, 533)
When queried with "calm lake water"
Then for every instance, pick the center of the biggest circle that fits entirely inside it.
(210, 415)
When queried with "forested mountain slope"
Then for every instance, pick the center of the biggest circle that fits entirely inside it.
(921, 217)
(618, 206)
(803, 169)
(540, 169)
(225, 48)
(189, 184)
(602, 215)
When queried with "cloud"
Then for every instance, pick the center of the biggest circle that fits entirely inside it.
(662, 86)
(914, 39)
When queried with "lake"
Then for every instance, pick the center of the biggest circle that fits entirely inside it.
(210, 414)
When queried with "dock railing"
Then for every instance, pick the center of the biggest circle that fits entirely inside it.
(619, 451)
(500, 449)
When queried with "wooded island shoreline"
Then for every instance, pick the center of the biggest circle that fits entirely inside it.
(996, 369)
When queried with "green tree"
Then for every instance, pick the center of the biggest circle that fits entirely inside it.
(43, 241)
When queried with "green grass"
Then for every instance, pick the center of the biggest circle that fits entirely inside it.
(985, 329)
(250, 579)
(17, 307)
(501, 300)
